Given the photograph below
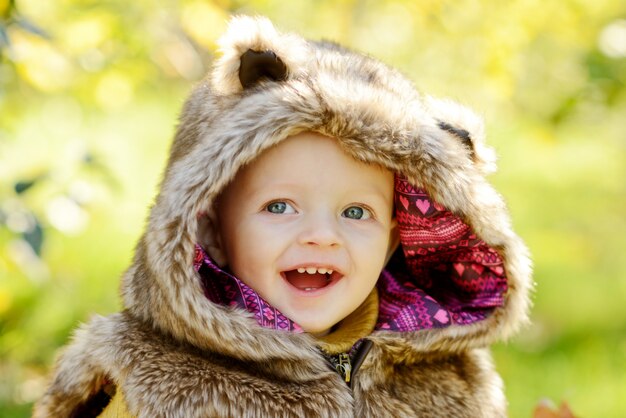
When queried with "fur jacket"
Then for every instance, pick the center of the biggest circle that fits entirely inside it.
(458, 281)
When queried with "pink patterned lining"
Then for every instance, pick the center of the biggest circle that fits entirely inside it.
(441, 274)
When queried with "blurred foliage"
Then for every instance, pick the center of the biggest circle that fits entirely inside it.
(90, 90)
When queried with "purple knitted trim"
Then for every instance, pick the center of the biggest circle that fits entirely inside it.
(225, 289)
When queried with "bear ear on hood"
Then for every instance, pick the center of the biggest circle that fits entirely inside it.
(467, 127)
(253, 50)
(255, 66)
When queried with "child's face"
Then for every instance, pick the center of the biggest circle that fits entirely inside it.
(305, 207)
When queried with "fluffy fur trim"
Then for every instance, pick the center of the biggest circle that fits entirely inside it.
(162, 377)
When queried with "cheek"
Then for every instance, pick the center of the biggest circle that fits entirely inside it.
(370, 249)
(254, 248)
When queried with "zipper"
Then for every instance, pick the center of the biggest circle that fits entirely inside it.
(344, 366)
(347, 364)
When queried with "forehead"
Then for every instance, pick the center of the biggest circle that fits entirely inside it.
(313, 160)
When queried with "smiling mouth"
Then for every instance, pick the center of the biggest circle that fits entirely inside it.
(309, 282)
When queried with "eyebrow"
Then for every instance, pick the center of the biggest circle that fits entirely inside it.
(271, 189)
(286, 185)
(376, 195)
(362, 194)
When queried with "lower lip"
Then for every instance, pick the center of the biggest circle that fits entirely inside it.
(311, 293)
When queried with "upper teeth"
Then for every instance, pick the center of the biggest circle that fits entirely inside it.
(313, 270)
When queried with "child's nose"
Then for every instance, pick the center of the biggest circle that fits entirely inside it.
(321, 230)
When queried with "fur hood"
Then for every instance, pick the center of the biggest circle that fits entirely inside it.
(377, 116)
(265, 87)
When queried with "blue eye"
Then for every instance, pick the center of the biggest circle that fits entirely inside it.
(356, 212)
(280, 208)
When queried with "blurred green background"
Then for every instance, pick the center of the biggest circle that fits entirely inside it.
(89, 97)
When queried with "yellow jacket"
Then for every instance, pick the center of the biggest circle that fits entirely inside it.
(116, 408)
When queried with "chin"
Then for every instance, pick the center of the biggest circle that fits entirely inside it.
(316, 329)
(319, 334)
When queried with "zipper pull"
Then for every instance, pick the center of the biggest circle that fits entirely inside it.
(343, 367)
